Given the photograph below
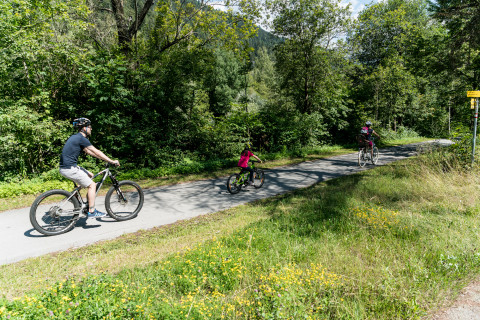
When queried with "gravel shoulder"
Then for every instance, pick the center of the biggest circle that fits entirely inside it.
(465, 307)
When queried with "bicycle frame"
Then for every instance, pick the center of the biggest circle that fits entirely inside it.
(367, 148)
(106, 173)
(243, 178)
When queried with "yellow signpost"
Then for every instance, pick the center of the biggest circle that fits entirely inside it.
(473, 94)
(474, 104)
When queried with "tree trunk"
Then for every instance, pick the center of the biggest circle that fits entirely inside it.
(306, 97)
(124, 31)
(122, 28)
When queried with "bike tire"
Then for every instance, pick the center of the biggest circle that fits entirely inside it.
(61, 215)
(232, 184)
(259, 178)
(362, 157)
(124, 201)
(375, 155)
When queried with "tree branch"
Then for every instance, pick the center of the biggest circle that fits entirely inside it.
(175, 41)
(136, 25)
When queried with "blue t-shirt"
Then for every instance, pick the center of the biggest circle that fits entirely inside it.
(71, 150)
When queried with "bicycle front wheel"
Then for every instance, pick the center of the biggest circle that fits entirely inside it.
(259, 178)
(54, 213)
(124, 202)
(362, 157)
(233, 185)
(375, 155)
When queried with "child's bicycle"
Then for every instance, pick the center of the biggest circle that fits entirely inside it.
(238, 180)
(364, 153)
(56, 211)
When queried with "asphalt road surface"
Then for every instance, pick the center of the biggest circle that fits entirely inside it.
(165, 205)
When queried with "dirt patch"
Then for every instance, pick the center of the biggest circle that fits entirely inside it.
(465, 307)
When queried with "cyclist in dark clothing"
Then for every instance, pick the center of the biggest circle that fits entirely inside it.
(69, 158)
(368, 132)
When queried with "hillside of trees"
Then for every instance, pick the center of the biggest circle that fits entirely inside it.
(167, 80)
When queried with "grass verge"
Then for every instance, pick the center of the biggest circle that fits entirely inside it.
(389, 243)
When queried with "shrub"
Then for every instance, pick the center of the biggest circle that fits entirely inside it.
(401, 133)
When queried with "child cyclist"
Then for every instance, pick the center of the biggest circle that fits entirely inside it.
(243, 162)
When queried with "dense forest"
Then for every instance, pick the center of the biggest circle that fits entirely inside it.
(173, 79)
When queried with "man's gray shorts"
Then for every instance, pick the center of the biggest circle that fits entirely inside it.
(78, 175)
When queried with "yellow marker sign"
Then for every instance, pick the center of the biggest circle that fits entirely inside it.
(473, 94)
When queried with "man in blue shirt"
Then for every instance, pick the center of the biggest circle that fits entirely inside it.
(69, 158)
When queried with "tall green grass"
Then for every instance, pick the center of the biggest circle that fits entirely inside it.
(389, 243)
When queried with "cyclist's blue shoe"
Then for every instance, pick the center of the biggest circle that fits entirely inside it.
(96, 214)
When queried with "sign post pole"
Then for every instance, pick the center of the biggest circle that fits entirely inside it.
(475, 130)
(476, 95)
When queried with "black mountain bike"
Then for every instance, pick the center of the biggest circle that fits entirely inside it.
(56, 211)
(237, 181)
(364, 153)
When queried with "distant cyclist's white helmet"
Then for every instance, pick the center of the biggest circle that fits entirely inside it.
(368, 123)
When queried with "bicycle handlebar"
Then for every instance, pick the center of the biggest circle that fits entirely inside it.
(108, 164)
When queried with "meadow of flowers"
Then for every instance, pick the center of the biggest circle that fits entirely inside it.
(376, 217)
(219, 279)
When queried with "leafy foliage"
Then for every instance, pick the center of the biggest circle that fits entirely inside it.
(179, 82)
(461, 18)
(28, 141)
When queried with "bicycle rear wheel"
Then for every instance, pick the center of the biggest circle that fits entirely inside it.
(259, 178)
(362, 157)
(53, 213)
(124, 202)
(375, 155)
(233, 184)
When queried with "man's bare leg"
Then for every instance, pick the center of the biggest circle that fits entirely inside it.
(91, 196)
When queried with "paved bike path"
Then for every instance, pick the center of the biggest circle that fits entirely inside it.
(167, 204)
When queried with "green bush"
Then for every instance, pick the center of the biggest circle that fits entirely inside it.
(8, 190)
(401, 133)
(32, 142)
